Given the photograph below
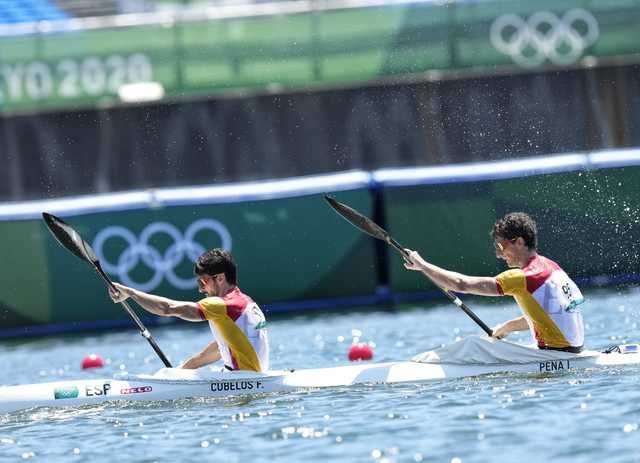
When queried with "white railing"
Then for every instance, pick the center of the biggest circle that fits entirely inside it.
(499, 170)
(221, 193)
(317, 184)
(194, 14)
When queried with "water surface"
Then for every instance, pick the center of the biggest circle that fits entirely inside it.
(581, 416)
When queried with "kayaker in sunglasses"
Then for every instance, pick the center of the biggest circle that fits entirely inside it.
(548, 298)
(236, 321)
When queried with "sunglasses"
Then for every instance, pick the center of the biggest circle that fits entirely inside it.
(204, 278)
(500, 247)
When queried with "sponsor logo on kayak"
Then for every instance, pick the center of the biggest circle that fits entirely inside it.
(97, 389)
(136, 390)
(554, 365)
(69, 392)
(225, 386)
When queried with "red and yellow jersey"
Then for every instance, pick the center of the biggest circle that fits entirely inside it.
(549, 300)
(239, 327)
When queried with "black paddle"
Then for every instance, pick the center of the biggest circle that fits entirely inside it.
(72, 241)
(368, 226)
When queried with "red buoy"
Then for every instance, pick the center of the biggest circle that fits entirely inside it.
(360, 351)
(92, 361)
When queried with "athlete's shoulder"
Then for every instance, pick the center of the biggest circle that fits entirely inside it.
(539, 265)
(210, 302)
(538, 271)
(511, 273)
(548, 262)
(237, 298)
(211, 307)
(510, 281)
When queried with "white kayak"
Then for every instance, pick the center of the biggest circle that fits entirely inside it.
(471, 357)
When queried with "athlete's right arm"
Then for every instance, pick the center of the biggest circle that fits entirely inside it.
(158, 305)
(454, 281)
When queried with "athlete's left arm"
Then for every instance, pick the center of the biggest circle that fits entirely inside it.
(210, 354)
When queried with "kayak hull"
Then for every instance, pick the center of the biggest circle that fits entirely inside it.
(175, 384)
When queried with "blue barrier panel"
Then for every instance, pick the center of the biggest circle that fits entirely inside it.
(292, 250)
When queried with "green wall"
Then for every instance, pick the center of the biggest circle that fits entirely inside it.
(588, 221)
(287, 250)
(301, 49)
(296, 253)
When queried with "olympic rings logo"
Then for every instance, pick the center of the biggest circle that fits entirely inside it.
(162, 265)
(544, 35)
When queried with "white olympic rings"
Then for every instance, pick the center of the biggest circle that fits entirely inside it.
(544, 36)
(139, 251)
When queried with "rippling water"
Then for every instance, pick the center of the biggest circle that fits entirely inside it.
(582, 416)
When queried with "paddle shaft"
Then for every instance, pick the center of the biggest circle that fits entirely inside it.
(71, 240)
(371, 228)
(455, 299)
(143, 329)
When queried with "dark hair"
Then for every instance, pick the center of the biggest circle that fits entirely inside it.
(516, 225)
(216, 261)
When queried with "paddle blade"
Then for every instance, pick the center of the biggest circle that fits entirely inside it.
(69, 238)
(358, 220)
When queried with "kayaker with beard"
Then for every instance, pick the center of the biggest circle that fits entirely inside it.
(236, 321)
